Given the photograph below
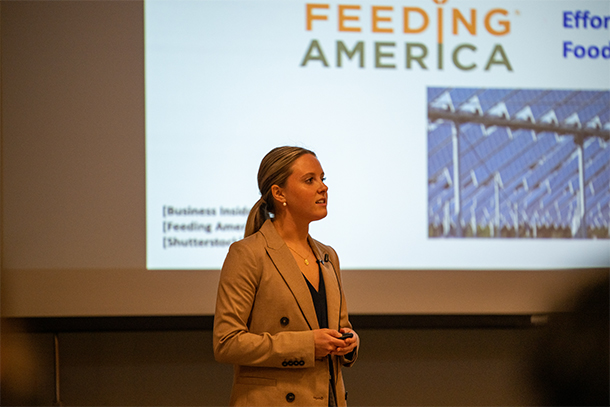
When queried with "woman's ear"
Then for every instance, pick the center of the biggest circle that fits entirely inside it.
(278, 195)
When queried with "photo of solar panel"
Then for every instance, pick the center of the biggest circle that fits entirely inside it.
(518, 163)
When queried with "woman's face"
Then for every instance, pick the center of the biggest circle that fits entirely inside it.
(305, 193)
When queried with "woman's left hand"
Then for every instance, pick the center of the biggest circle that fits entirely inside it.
(350, 343)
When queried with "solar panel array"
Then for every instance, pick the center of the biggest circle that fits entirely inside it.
(513, 180)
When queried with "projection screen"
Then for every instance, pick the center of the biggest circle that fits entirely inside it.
(465, 145)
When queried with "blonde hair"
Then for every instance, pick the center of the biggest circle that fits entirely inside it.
(275, 169)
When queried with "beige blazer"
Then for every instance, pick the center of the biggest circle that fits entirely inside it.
(264, 321)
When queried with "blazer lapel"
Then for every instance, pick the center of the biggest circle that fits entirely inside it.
(333, 295)
(289, 270)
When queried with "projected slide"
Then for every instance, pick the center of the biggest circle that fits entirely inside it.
(454, 134)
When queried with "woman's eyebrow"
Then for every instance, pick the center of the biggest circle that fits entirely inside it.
(308, 174)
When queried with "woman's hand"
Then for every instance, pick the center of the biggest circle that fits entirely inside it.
(327, 342)
(349, 343)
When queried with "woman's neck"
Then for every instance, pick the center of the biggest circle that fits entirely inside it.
(291, 232)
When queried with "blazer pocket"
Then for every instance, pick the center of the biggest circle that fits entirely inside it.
(256, 381)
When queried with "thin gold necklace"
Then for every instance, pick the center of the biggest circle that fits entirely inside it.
(304, 259)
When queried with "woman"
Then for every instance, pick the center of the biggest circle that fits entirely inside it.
(280, 310)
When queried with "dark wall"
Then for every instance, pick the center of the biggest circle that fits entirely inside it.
(396, 367)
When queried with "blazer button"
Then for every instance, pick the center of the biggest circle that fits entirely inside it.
(290, 397)
(284, 321)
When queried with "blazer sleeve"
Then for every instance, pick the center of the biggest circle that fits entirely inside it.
(232, 340)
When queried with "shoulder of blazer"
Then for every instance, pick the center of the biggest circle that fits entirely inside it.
(273, 239)
(265, 237)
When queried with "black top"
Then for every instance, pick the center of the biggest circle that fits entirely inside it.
(319, 299)
(319, 302)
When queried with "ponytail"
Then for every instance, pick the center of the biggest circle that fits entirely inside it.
(257, 216)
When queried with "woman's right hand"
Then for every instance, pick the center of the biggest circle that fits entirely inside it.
(326, 341)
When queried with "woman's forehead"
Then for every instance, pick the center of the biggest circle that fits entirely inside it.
(305, 164)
